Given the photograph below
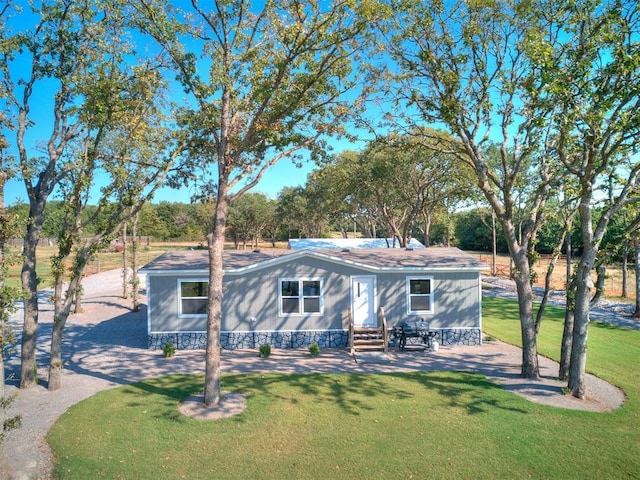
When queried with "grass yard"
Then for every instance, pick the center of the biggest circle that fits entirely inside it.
(414, 425)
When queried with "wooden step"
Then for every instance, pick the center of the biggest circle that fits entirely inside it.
(368, 348)
(364, 343)
(368, 339)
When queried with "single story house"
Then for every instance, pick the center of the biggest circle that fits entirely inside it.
(291, 298)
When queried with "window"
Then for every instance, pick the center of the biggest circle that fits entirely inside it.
(298, 296)
(419, 295)
(194, 297)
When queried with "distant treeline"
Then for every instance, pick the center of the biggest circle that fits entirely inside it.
(255, 217)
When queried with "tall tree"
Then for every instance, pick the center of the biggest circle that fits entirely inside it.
(461, 65)
(587, 60)
(407, 179)
(248, 216)
(265, 81)
(49, 53)
(126, 150)
(337, 193)
(294, 213)
(9, 295)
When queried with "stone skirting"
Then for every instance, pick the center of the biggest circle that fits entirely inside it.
(459, 336)
(242, 340)
(289, 339)
(449, 337)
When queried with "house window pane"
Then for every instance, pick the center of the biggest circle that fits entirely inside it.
(194, 306)
(312, 305)
(420, 303)
(194, 297)
(300, 296)
(194, 289)
(311, 288)
(419, 295)
(290, 305)
(422, 286)
(290, 288)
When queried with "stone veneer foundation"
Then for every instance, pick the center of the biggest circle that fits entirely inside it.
(289, 339)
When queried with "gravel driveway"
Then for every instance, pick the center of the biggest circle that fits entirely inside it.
(105, 346)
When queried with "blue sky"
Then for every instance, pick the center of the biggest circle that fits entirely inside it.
(283, 174)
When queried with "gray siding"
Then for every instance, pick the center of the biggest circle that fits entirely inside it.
(456, 298)
(255, 295)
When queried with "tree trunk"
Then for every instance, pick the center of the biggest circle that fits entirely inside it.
(636, 248)
(569, 314)
(584, 285)
(567, 332)
(625, 266)
(494, 245)
(3, 415)
(427, 229)
(135, 280)
(55, 363)
(30, 325)
(214, 311)
(61, 309)
(77, 299)
(3, 325)
(522, 277)
(125, 264)
(530, 367)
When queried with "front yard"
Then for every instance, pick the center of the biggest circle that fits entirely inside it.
(413, 425)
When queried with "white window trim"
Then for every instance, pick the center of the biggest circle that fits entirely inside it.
(408, 294)
(301, 297)
(189, 280)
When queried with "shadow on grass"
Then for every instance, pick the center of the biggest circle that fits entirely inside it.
(353, 394)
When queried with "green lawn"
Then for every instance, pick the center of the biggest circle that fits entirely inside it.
(413, 425)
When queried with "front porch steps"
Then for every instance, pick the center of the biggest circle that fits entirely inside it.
(368, 339)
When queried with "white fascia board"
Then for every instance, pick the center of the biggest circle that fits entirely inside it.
(173, 273)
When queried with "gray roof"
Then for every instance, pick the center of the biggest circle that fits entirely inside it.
(384, 259)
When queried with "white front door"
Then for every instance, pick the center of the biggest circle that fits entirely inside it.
(363, 296)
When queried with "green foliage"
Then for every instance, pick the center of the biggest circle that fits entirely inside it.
(249, 217)
(168, 349)
(299, 213)
(314, 349)
(266, 95)
(9, 423)
(473, 231)
(265, 350)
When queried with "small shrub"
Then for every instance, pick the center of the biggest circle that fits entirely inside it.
(265, 350)
(314, 349)
(168, 350)
(10, 423)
